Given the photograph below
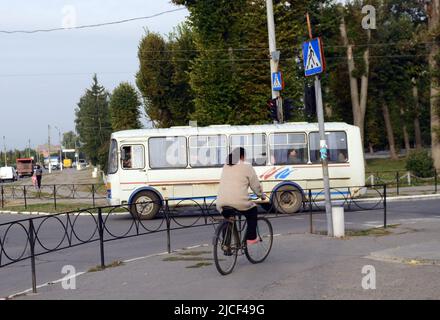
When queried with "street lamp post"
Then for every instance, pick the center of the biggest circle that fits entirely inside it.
(61, 156)
(4, 146)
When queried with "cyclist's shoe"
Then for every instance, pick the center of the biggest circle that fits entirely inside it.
(227, 250)
(251, 242)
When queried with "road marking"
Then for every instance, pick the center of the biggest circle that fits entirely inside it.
(83, 272)
(43, 285)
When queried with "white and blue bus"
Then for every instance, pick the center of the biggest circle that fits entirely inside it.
(151, 165)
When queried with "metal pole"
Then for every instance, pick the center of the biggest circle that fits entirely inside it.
(3, 200)
(4, 146)
(101, 237)
(168, 220)
(55, 196)
(25, 200)
(435, 179)
(274, 55)
(32, 247)
(398, 181)
(61, 156)
(310, 211)
(385, 206)
(323, 145)
(48, 146)
(93, 194)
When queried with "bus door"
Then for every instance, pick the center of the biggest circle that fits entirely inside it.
(133, 168)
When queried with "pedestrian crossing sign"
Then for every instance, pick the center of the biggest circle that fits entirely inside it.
(277, 81)
(314, 62)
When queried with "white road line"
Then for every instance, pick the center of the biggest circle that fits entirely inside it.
(44, 285)
(83, 272)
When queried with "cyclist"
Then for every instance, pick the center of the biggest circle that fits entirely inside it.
(237, 176)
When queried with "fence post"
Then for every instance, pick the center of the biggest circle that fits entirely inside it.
(93, 194)
(32, 247)
(55, 196)
(435, 180)
(385, 206)
(73, 191)
(398, 181)
(205, 210)
(168, 220)
(25, 199)
(310, 211)
(101, 237)
(3, 200)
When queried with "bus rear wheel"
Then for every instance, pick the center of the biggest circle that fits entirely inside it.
(145, 205)
(287, 199)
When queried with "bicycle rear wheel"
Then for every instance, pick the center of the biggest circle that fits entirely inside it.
(258, 252)
(226, 244)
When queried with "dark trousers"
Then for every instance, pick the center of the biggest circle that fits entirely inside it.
(251, 218)
(39, 181)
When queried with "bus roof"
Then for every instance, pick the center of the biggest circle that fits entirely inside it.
(216, 129)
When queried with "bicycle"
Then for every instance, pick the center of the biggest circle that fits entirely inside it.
(230, 239)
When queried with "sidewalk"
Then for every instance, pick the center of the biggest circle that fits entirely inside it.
(300, 266)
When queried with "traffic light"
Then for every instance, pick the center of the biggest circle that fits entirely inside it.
(310, 101)
(288, 109)
(272, 108)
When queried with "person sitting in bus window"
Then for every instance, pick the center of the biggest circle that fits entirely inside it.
(293, 157)
(342, 156)
(126, 161)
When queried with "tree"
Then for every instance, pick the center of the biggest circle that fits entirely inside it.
(70, 140)
(154, 78)
(359, 96)
(433, 10)
(124, 108)
(93, 123)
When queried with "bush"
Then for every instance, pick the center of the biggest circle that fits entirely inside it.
(420, 163)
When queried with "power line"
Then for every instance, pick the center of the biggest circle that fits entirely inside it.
(91, 25)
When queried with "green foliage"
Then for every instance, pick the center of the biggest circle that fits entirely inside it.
(420, 163)
(163, 76)
(93, 123)
(70, 140)
(124, 108)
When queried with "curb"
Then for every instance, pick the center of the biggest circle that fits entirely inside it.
(389, 199)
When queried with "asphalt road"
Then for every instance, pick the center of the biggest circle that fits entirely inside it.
(17, 277)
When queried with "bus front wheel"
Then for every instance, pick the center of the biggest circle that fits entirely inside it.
(145, 205)
(287, 199)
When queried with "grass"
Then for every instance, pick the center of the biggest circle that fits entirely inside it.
(380, 165)
(194, 253)
(200, 264)
(174, 258)
(377, 232)
(114, 264)
(48, 207)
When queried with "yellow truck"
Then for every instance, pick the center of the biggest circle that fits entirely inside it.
(67, 163)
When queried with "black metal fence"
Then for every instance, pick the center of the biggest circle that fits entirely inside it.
(24, 194)
(41, 235)
(399, 180)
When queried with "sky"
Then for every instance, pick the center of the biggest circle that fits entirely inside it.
(43, 75)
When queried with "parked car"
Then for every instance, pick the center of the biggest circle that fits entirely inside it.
(8, 174)
(54, 162)
(83, 163)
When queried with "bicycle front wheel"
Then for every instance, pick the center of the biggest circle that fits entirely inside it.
(226, 244)
(259, 251)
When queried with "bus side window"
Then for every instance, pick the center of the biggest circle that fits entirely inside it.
(126, 157)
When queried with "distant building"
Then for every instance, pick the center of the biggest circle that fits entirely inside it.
(44, 149)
